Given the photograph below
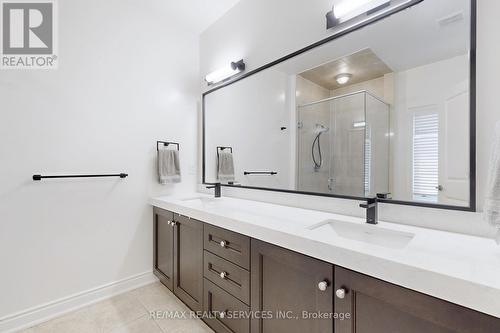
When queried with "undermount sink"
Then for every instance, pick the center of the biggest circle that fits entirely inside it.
(366, 233)
(203, 200)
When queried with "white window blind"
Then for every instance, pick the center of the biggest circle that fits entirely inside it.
(425, 156)
(368, 166)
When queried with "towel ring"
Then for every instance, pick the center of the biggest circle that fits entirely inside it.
(222, 149)
(166, 144)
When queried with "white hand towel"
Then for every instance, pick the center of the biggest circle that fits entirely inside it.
(492, 204)
(169, 170)
(225, 170)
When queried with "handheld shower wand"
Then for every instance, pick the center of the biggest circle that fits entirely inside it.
(318, 130)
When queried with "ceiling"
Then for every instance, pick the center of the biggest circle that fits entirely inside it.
(363, 66)
(199, 14)
(408, 39)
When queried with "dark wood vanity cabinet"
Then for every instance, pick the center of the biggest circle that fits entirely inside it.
(228, 245)
(164, 247)
(290, 287)
(227, 274)
(376, 306)
(188, 261)
(178, 259)
(227, 280)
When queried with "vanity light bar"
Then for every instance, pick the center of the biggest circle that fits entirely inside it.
(348, 9)
(359, 11)
(225, 72)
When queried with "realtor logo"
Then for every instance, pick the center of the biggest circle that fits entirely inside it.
(28, 31)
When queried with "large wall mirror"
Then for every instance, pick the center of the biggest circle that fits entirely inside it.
(385, 110)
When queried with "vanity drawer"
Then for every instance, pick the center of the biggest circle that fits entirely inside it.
(222, 306)
(228, 276)
(228, 245)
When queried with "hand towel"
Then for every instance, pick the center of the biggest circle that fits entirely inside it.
(169, 170)
(492, 203)
(225, 167)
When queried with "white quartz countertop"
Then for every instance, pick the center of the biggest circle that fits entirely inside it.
(458, 268)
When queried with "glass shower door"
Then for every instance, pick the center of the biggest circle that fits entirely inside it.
(343, 146)
(347, 165)
(314, 147)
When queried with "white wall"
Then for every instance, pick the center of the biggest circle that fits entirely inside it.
(414, 93)
(248, 117)
(285, 26)
(127, 77)
(261, 31)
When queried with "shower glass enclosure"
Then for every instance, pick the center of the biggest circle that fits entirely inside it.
(343, 145)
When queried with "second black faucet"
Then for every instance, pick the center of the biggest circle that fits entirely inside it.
(371, 207)
(217, 191)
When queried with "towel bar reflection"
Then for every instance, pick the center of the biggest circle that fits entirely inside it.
(271, 173)
(166, 144)
(40, 177)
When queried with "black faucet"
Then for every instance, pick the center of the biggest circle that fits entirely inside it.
(217, 191)
(371, 207)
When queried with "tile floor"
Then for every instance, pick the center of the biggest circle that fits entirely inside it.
(126, 313)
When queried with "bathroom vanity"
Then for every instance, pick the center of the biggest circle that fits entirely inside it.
(367, 114)
(231, 257)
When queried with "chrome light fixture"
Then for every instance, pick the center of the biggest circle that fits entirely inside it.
(360, 11)
(343, 78)
(225, 72)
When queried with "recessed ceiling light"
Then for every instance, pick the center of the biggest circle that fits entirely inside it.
(343, 78)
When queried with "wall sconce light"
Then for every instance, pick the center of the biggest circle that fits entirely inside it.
(359, 11)
(225, 72)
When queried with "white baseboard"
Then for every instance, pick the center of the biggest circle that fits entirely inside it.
(47, 311)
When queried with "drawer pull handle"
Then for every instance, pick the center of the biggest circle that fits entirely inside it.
(340, 293)
(323, 285)
(222, 315)
(223, 275)
(223, 244)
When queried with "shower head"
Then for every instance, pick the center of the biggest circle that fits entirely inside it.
(319, 128)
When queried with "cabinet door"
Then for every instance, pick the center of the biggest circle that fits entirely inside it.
(285, 283)
(376, 306)
(164, 246)
(226, 311)
(188, 261)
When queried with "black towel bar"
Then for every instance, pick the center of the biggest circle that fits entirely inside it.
(260, 173)
(40, 177)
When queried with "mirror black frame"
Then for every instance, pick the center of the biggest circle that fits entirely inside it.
(472, 114)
